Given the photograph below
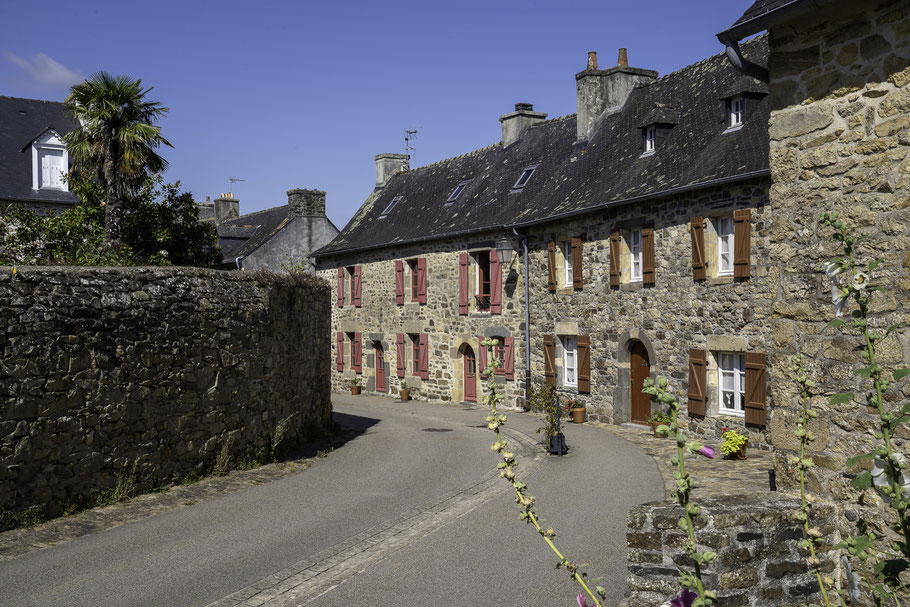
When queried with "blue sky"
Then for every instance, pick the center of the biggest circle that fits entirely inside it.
(304, 94)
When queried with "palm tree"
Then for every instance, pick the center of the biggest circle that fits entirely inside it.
(117, 140)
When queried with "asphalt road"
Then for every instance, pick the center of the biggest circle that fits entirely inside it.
(408, 513)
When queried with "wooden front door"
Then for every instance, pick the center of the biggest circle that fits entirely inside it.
(470, 375)
(380, 370)
(640, 370)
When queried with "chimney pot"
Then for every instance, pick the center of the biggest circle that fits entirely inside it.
(517, 122)
(623, 60)
(592, 60)
(521, 107)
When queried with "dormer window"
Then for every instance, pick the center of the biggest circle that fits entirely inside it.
(50, 162)
(736, 111)
(650, 139)
(525, 177)
(391, 206)
(458, 190)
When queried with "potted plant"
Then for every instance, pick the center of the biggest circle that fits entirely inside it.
(544, 398)
(403, 391)
(734, 444)
(657, 419)
(355, 386)
(577, 409)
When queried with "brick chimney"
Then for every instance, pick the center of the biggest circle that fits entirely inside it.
(389, 164)
(306, 203)
(600, 91)
(517, 122)
(226, 207)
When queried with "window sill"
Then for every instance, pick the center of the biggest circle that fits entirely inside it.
(731, 415)
(646, 154)
(632, 286)
(733, 129)
(719, 280)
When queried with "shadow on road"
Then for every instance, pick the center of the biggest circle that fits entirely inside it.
(347, 428)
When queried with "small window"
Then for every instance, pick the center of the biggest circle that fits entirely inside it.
(650, 139)
(415, 353)
(736, 111)
(458, 190)
(391, 206)
(567, 253)
(499, 354)
(570, 360)
(525, 177)
(725, 246)
(482, 281)
(52, 169)
(415, 289)
(731, 383)
(635, 255)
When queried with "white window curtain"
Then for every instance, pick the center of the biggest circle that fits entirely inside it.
(635, 253)
(725, 246)
(567, 252)
(570, 361)
(732, 383)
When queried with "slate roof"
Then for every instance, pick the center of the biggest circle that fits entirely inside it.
(256, 227)
(21, 122)
(577, 178)
(760, 8)
(763, 13)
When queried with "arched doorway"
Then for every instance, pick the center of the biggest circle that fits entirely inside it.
(381, 385)
(640, 370)
(470, 374)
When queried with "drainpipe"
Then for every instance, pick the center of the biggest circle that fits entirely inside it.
(524, 244)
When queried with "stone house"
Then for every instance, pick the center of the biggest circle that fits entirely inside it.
(626, 240)
(839, 91)
(33, 157)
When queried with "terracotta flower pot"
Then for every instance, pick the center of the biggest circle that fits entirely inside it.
(404, 394)
(578, 415)
(355, 390)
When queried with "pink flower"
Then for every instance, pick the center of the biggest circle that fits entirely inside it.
(583, 601)
(685, 598)
(707, 451)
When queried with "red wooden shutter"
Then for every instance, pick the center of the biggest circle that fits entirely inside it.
(698, 368)
(647, 255)
(399, 282)
(495, 283)
(357, 353)
(698, 248)
(584, 363)
(755, 388)
(400, 362)
(551, 266)
(339, 351)
(576, 263)
(509, 357)
(742, 245)
(549, 359)
(463, 283)
(424, 357)
(422, 280)
(481, 357)
(614, 258)
(356, 287)
(340, 287)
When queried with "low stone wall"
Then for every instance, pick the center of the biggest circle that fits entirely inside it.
(151, 373)
(754, 536)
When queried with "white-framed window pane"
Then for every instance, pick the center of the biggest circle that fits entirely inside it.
(567, 252)
(736, 111)
(725, 245)
(732, 383)
(635, 253)
(51, 168)
(570, 361)
(650, 136)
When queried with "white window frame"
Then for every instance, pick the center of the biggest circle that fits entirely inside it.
(635, 273)
(650, 139)
(567, 254)
(458, 190)
(49, 142)
(525, 177)
(569, 353)
(737, 105)
(731, 365)
(725, 242)
(391, 206)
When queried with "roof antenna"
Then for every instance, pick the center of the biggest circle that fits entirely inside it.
(409, 134)
(233, 180)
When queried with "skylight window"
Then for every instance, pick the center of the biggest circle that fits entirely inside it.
(525, 177)
(391, 206)
(458, 190)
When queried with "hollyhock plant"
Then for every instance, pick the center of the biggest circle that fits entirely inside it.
(685, 599)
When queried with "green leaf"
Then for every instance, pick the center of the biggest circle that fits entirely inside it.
(839, 399)
(833, 324)
(900, 374)
(862, 482)
(856, 458)
(897, 326)
(865, 372)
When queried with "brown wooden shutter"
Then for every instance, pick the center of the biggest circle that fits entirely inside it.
(549, 359)
(576, 263)
(463, 283)
(584, 363)
(509, 357)
(742, 245)
(481, 357)
(614, 258)
(755, 388)
(551, 266)
(357, 353)
(340, 287)
(422, 280)
(399, 282)
(698, 375)
(495, 283)
(424, 351)
(400, 361)
(356, 286)
(698, 248)
(339, 351)
(647, 255)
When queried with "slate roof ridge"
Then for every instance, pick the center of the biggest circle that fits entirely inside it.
(30, 99)
(700, 62)
(439, 163)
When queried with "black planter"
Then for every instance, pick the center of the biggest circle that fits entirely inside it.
(558, 444)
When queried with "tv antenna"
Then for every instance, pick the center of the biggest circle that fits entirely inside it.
(409, 135)
(232, 181)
